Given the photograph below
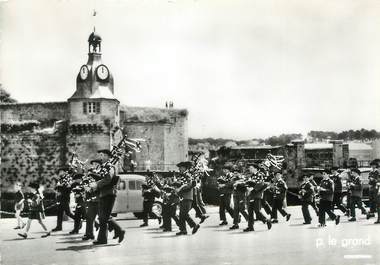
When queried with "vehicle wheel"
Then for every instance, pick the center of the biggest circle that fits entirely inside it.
(157, 208)
(138, 215)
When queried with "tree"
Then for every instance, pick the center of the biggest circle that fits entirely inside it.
(5, 97)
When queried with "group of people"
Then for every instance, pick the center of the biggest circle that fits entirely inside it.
(95, 193)
(330, 192)
(183, 190)
(256, 193)
(251, 190)
(262, 191)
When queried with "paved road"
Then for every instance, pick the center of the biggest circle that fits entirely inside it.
(287, 243)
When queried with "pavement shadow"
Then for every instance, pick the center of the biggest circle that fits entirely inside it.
(125, 219)
(297, 225)
(84, 247)
(60, 234)
(19, 238)
(210, 226)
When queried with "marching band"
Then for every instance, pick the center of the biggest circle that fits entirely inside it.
(256, 192)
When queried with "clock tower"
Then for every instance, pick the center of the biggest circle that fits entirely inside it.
(93, 108)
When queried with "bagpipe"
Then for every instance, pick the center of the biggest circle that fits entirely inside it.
(66, 180)
(152, 185)
(197, 171)
(274, 161)
(223, 180)
(125, 147)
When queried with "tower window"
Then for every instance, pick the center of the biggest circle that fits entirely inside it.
(85, 107)
(91, 107)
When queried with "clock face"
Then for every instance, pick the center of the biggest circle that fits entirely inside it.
(102, 72)
(84, 72)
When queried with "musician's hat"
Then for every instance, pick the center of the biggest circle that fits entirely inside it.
(65, 168)
(96, 161)
(185, 164)
(375, 163)
(77, 176)
(34, 185)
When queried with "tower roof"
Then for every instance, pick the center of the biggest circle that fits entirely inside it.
(94, 37)
(91, 83)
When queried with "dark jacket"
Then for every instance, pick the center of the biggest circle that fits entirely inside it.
(327, 194)
(372, 179)
(307, 192)
(107, 185)
(186, 191)
(258, 190)
(338, 187)
(63, 193)
(356, 188)
(280, 189)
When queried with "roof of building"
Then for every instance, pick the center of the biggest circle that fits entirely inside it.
(103, 92)
(254, 147)
(148, 114)
(313, 146)
(359, 146)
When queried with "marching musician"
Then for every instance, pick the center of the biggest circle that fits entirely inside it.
(149, 193)
(19, 205)
(315, 187)
(257, 186)
(337, 199)
(356, 193)
(372, 180)
(279, 195)
(170, 200)
(378, 199)
(198, 204)
(91, 204)
(63, 196)
(186, 192)
(225, 187)
(239, 199)
(307, 197)
(267, 195)
(106, 188)
(79, 200)
(326, 194)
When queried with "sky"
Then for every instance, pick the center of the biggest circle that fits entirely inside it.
(243, 68)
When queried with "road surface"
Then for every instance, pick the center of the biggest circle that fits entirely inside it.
(287, 243)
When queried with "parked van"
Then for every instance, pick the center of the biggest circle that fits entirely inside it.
(129, 197)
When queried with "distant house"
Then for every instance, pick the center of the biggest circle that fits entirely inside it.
(361, 151)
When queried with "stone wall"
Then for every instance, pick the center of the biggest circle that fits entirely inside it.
(36, 153)
(31, 156)
(176, 143)
(165, 132)
(87, 145)
(46, 113)
(152, 148)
